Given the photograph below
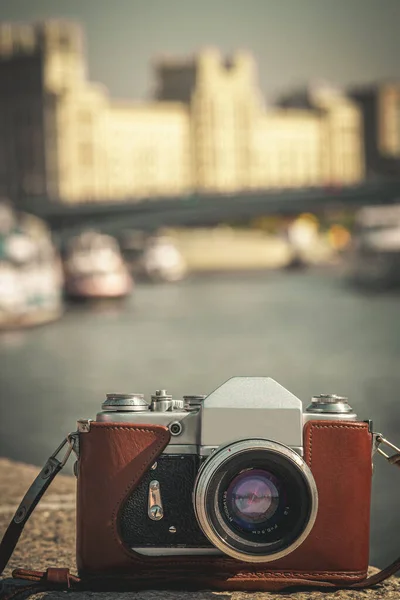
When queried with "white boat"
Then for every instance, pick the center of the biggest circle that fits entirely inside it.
(94, 268)
(162, 261)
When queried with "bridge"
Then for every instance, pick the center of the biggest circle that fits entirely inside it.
(206, 209)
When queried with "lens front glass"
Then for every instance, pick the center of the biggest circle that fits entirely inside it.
(260, 498)
(252, 499)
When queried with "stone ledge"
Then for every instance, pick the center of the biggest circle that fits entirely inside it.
(49, 540)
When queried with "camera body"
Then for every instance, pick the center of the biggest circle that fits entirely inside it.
(241, 480)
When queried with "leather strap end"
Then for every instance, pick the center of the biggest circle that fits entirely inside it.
(28, 575)
(54, 577)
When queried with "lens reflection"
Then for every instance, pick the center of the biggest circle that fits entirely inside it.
(252, 497)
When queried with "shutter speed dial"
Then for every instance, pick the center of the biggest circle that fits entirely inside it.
(329, 403)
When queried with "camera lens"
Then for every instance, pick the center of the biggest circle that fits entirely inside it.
(255, 500)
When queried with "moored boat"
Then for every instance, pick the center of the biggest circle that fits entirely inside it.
(30, 271)
(155, 257)
(94, 268)
(162, 260)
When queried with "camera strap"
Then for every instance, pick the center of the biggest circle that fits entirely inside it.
(62, 579)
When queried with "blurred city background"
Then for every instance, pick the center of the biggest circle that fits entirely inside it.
(237, 212)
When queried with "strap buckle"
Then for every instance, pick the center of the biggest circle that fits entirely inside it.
(70, 440)
(380, 440)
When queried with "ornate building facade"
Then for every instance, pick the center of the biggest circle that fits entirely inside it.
(206, 129)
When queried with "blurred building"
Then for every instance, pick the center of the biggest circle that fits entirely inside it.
(206, 129)
(311, 138)
(328, 140)
(380, 106)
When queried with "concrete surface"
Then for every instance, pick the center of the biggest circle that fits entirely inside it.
(49, 540)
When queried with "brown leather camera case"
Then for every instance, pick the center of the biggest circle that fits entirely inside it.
(114, 457)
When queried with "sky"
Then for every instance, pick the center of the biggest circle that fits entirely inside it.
(294, 41)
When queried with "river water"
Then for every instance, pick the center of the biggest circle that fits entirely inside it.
(308, 330)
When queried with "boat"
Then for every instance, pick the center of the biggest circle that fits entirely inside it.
(94, 268)
(162, 261)
(31, 277)
(374, 254)
(155, 257)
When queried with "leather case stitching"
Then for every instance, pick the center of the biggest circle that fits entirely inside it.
(127, 426)
(299, 574)
(356, 426)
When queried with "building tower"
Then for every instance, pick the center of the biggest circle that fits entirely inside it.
(38, 64)
(224, 104)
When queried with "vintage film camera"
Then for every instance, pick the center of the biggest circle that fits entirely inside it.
(242, 480)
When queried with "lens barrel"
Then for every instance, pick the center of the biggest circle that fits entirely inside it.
(255, 500)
